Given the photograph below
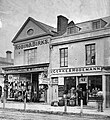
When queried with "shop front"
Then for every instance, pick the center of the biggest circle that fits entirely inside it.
(30, 80)
(89, 79)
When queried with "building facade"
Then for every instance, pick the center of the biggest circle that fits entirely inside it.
(31, 62)
(80, 57)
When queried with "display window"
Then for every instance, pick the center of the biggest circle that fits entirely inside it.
(94, 85)
(17, 85)
(69, 86)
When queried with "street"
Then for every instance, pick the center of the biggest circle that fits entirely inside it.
(6, 114)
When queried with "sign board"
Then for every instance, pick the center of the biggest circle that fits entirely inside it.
(44, 81)
(83, 80)
(61, 81)
(77, 70)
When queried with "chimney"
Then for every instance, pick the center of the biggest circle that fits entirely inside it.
(62, 24)
(8, 56)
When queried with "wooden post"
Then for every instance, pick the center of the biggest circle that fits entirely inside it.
(25, 101)
(65, 108)
(81, 111)
(65, 102)
(4, 100)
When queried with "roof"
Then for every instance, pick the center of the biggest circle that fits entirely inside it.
(5, 61)
(48, 29)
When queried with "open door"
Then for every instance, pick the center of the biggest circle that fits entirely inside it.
(84, 89)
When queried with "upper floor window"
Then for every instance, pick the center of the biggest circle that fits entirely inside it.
(73, 29)
(64, 57)
(90, 54)
(30, 56)
(97, 24)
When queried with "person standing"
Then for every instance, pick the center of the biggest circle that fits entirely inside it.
(100, 100)
(80, 95)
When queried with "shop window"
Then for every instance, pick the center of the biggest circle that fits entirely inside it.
(64, 57)
(94, 85)
(69, 83)
(30, 56)
(90, 54)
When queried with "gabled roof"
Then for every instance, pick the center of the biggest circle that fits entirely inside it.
(48, 29)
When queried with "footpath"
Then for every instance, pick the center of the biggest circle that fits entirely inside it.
(46, 108)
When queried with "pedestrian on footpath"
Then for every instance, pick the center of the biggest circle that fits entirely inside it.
(80, 95)
(100, 100)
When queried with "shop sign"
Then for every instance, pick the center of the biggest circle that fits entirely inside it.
(83, 80)
(27, 70)
(76, 70)
(32, 44)
(44, 81)
(55, 81)
(61, 81)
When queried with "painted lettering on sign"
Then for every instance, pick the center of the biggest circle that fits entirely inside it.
(76, 70)
(32, 44)
(27, 70)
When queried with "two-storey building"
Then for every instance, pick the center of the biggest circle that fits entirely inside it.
(31, 62)
(81, 57)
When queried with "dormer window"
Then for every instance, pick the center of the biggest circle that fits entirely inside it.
(97, 24)
(73, 29)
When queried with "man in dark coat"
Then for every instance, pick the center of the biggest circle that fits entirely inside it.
(80, 95)
(100, 100)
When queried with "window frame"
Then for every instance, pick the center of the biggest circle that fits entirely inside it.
(95, 23)
(64, 58)
(91, 51)
(30, 56)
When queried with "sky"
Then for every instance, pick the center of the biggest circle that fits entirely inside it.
(13, 13)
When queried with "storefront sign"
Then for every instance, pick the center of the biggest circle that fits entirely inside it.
(27, 70)
(32, 44)
(76, 70)
(44, 81)
(83, 80)
(55, 81)
(61, 81)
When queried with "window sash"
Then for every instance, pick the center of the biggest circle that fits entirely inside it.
(64, 57)
(30, 56)
(90, 54)
(97, 24)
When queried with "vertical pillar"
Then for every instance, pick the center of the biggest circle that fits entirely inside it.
(76, 87)
(76, 81)
(31, 86)
(104, 89)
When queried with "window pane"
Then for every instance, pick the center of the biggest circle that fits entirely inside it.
(90, 54)
(30, 56)
(96, 24)
(63, 57)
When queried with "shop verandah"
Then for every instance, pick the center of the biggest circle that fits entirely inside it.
(30, 80)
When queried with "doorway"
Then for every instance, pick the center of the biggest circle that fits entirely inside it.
(35, 87)
(84, 89)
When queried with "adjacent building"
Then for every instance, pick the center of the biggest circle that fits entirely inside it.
(81, 57)
(5, 61)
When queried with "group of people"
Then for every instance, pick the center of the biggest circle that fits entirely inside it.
(79, 94)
